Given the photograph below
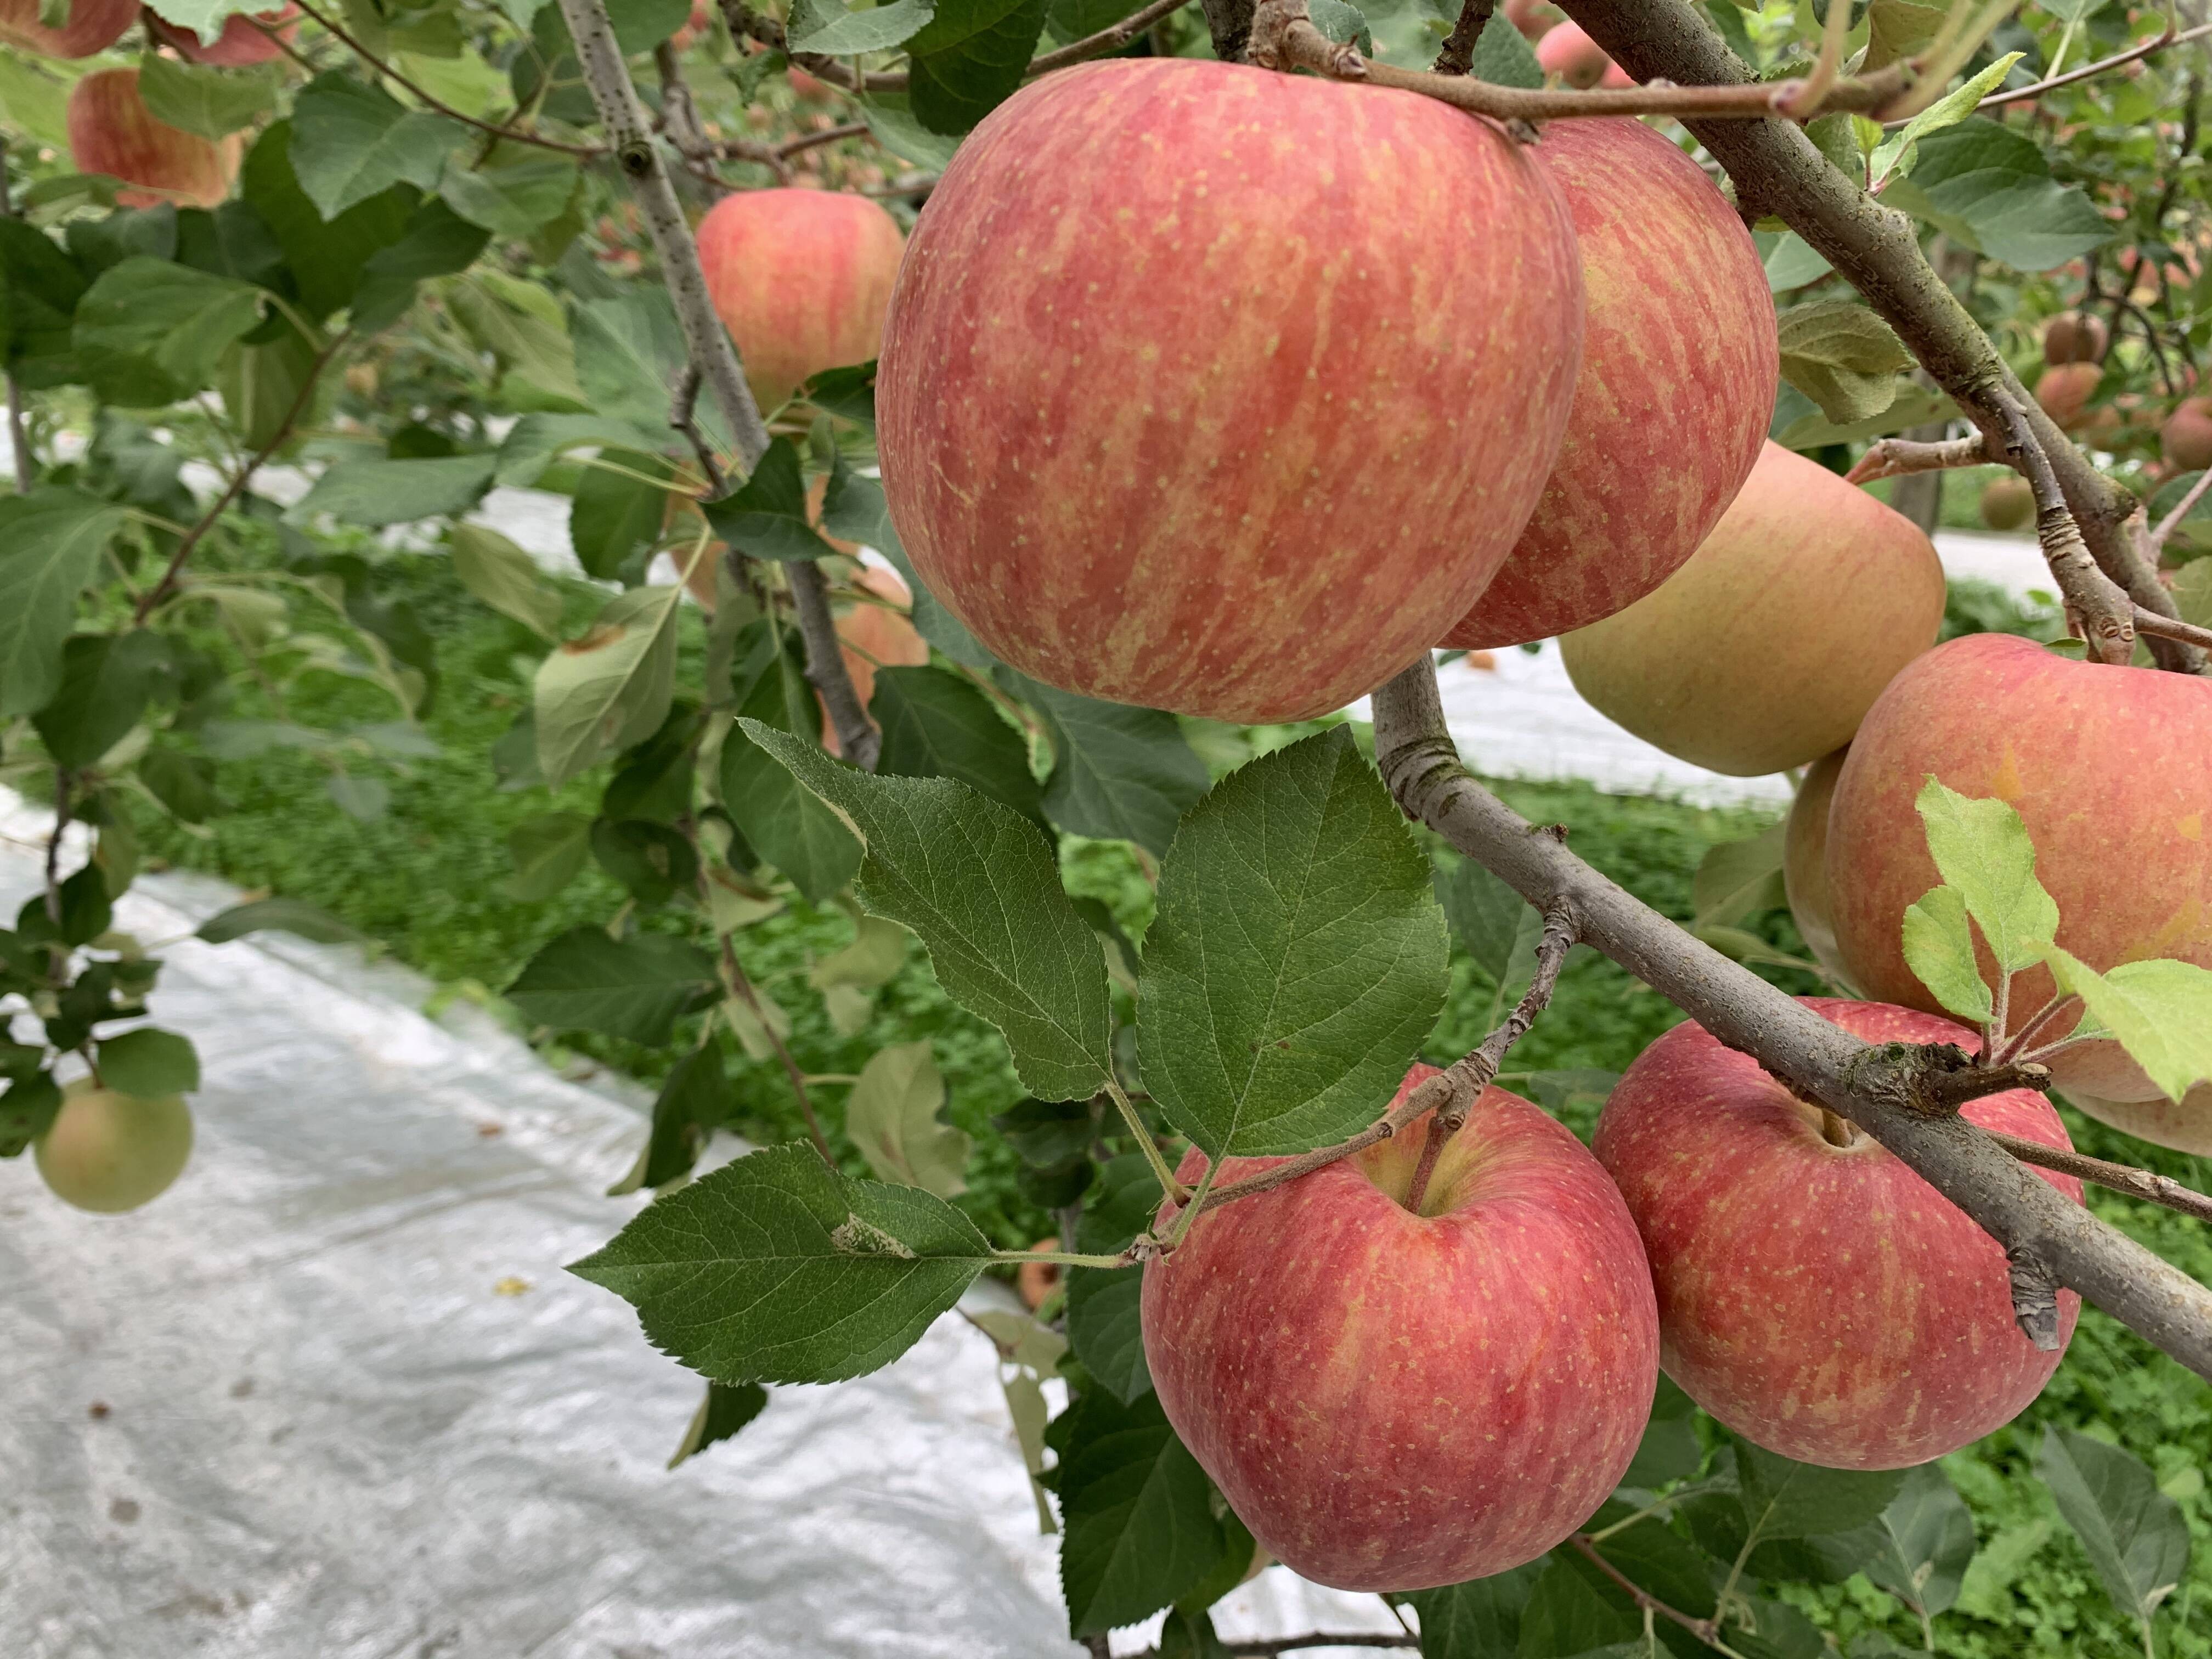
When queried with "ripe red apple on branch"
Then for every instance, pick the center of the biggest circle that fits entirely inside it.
(1183, 403)
(242, 42)
(1678, 371)
(1767, 648)
(1822, 1300)
(92, 26)
(1391, 1401)
(112, 131)
(2110, 770)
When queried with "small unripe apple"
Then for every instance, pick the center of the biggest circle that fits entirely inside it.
(2074, 336)
(2185, 440)
(239, 44)
(111, 131)
(2008, 503)
(109, 1153)
(1566, 52)
(2064, 391)
(93, 26)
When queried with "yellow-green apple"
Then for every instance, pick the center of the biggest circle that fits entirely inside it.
(2074, 336)
(2064, 391)
(111, 131)
(801, 278)
(1767, 646)
(92, 26)
(1579, 61)
(1392, 1398)
(2185, 440)
(1822, 1300)
(2185, 1125)
(1680, 366)
(109, 1153)
(1804, 867)
(244, 39)
(2109, 768)
(2007, 502)
(1179, 407)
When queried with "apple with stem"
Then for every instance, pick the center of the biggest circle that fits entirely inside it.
(1392, 1399)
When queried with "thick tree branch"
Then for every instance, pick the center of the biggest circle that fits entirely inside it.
(1893, 458)
(1456, 57)
(1777, 170)
(1886, 1091)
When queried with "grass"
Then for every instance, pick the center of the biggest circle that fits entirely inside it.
(426, 881)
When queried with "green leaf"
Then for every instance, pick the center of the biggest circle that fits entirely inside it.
(183, 783)
(979, 885)
(1137, 1513)
(512, 192)
(105, 681)
(1785, 1499)
(1572, 1610)
(209, 103)
(149, 1063)
(379, 491)
(1505, 58)
(1298, 958)
(786, 822)
(1670, 1449)
(630, 988)
(28, 1105)
(873, 959)
(1344, 23)
(892, 1116)
(150, 332)
(548, 851)
(1899, 28)
(351, 141)
(1790, 263)
(776, 1269)
(504, 577)
(536, 441)
(891, 117)
(1106, 1329)
(641, 25)
(286, 915)
(436, 242)
(39, 288)
(1896, 155)
(694, 1096)
(1939, 948)
(326, 260)
(33, 99)
(852, 508)
(936, 724)
(1991, 188)
(51, 541)
(1481, 1618)
(629, 349)
(970, 58)
(599, 694)
(825, 26)
(613, 515)
(1496, 926)
(1841, 357)
(1119, 772)
(1738, 878)
(727, 1407)
(1982, 849)
(2159, 1012)
(1927, 1540)
(2133, 1534)
(766, 518)
(652, 862)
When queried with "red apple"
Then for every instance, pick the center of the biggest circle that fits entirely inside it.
(93, 26)
(1766, 648)
(2185, 1125)
(2008, 503)
(1180, 405)
(1533, 18)
(801, 278)
(112, 131)
(1680, 366)
(2074, 336)
(2064, 391)
(1804, 861)
(1821, 1300)
(1571, 54)
(2110, 769)
(241, 42)
(1391, 1401)
(2185, 440)
(695, 27)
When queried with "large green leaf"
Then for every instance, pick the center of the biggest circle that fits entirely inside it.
(512, 191)
(1990, 186)
(1106, 1329)
(39, 288)
(614, 515)
(725, 1409)
(633, 988)
(597, 696)
(1738, 878)
(1478, 1619)
(504, 577)
(784, 821)
(209, 103)
(2159, 1012)
(149, 331)
(50, 542)
(351, 141)
(826, 27)
(1782, 1499)
(776, 1269)
(379, 491)
(936, 724)
(328, 260)
(979, 885)
(1927, 1540)
(107, 679)
(891, 1115)
(1138, 1514)
(1841, 357)
(970, 58)
(1298, 958)
(694, 1096)
(436, 242)
(766, 517)
(149, 1063)
(1119, 772)
(2133, 1534)
(1982, 849)
(1939, 948)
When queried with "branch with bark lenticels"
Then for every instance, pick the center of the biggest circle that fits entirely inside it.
(1895, 1092)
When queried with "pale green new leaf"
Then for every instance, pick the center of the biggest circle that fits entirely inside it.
(51, 541)
(2133, 1534)
(1939, 947)
(599, 695)
(2159, 1012)
(1896, 154)
(978, 883)
(1982, 849)
(504, 577)
(776, 1269)
(873, 959)
(892, 1116)
(1298, 958)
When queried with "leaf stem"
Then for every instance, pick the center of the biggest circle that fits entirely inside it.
(1065, 1258)
(1175, 1191)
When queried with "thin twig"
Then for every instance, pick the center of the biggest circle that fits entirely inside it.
(2167, 628)
(1265, 1647)
(517, 134)
(2099, 604)
(2143, 49)
(734, 977)
(1894, 458)
(1456, 56)
(1109, 39)
(1705, 1630)
(1814, 88)
(2169, 524)
(1953, 1089)
(2120, 1177)
(682, 415)
(809, 598)
(792, 147)
(191, 540)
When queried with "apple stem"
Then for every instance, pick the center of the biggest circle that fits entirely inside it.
(1837, 1130)
(1174, 1189)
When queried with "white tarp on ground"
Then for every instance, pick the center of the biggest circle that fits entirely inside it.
(333, 1396)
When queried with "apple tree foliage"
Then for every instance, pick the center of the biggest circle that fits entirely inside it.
(426, 286)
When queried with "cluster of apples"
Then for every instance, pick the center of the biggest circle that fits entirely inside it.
(111, 131)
